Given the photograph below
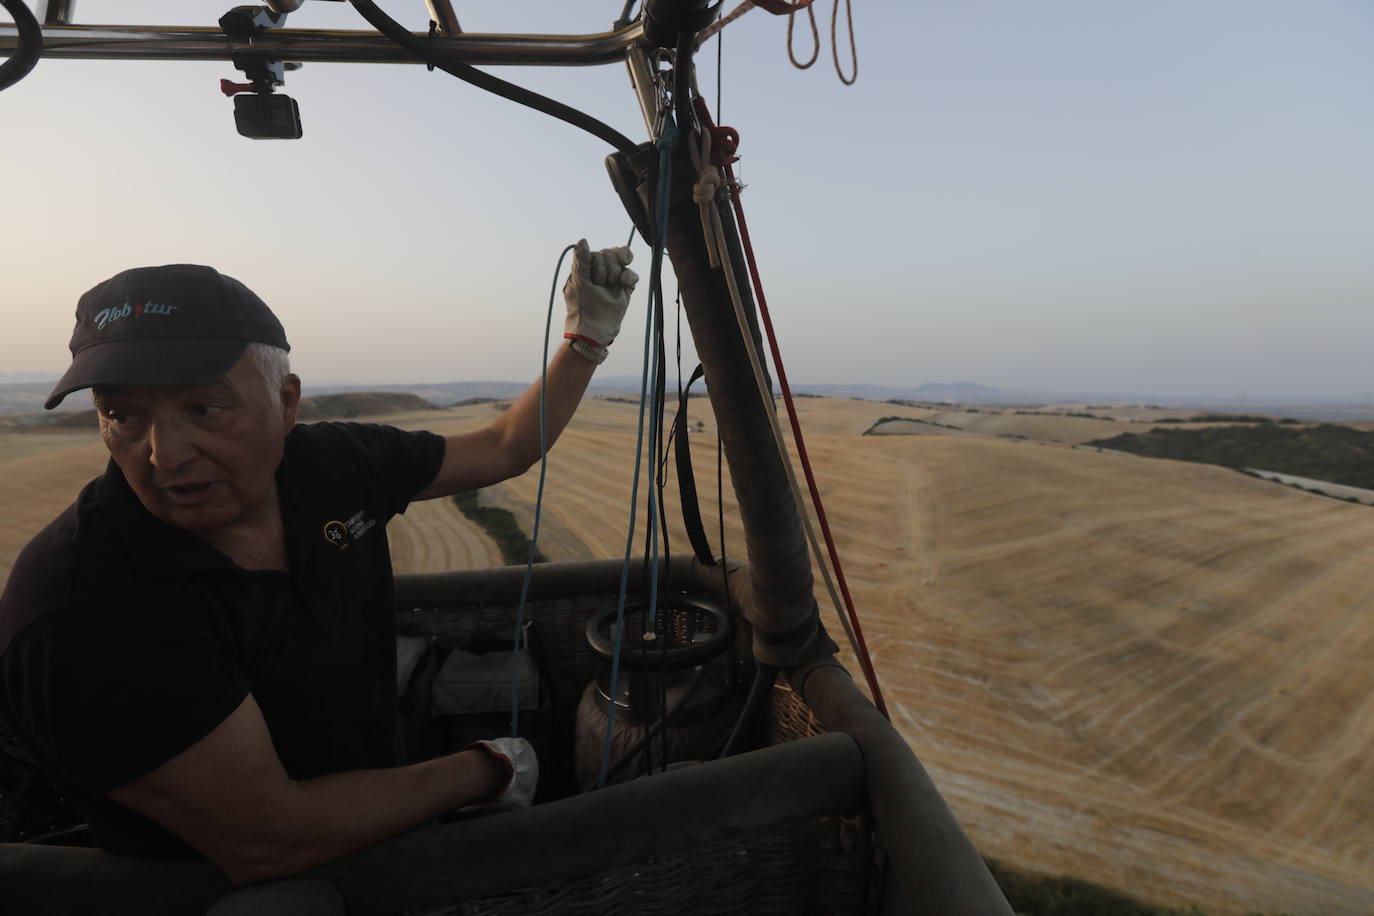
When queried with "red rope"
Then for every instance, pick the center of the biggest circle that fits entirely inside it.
(865, 661)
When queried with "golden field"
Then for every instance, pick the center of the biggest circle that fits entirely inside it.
(1149, 674)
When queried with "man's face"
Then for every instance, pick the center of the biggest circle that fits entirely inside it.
(201, 457)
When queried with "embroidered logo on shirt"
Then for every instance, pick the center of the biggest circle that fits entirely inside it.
(341, 534)
(336, 533)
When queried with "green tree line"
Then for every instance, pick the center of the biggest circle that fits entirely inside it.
(1339, 454)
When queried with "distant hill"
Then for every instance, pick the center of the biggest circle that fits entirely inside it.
(359, 404)
(27, 396)
(48, 420)
(957, 391)
(1338, 454)
(319, 407)
(437, 393)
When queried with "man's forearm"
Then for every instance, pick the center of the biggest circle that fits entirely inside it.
(568, 375)
(328, 817)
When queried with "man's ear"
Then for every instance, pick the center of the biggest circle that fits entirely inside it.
(290, 399)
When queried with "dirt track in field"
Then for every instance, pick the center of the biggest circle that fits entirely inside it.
(1150, 674)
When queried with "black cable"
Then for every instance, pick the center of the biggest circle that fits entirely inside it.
(451, 65)
(662, 704)
(644, 665)
(660, 402)
(720, 513)
(682, 81)
(764, 676)
(677, 358)
(720, 516)
(679, 429)
(30, 45)
(660, 460)
(725, 566)
(625, 17)
(720, 57)
(659, 452)
(656, 479)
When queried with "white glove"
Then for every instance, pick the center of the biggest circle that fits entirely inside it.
(598, 293)
(518, 754)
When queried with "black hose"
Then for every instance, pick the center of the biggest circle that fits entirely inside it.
(25, 55)
(449, 64)
(764, 677)
(682, 81)
(625, 17)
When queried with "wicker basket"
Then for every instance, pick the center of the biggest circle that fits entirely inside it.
(821, 866)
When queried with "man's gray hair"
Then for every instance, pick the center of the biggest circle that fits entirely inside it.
(275, 365)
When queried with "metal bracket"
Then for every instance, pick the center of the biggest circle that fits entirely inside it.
(55, 12)
(265, 75)
(652, 84)
(243, 22)
(442, 15)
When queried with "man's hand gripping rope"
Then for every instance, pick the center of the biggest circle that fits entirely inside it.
(597, 295)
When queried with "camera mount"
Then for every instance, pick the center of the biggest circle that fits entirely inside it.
(259, 113)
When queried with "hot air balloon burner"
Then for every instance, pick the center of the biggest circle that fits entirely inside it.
(668, 698)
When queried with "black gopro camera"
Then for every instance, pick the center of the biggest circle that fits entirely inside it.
(267, 117)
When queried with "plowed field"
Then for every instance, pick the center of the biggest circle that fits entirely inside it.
(1150, 674)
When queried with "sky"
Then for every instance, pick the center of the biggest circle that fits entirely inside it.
(1169, 198)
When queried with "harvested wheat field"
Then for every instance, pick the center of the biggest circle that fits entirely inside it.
(1150, 674)
(40, 475)
(1019, 424)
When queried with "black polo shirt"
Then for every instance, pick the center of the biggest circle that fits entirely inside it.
(124, 640)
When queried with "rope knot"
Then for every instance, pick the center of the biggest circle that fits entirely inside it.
(667, 139)
(708, 182)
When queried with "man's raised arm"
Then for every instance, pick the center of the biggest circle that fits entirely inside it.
(597, 294)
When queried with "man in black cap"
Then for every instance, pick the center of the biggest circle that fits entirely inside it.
(199, 650)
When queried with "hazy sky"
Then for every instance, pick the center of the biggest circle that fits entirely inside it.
(1162, 198)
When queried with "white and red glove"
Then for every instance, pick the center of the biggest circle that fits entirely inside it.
(597, 294)
(519, 757)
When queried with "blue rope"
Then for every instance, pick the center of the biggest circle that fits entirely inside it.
(538, 507)
(625, 569)
(667, 141)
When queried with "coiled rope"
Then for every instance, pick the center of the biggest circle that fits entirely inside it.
(790, 8)
(815, 38)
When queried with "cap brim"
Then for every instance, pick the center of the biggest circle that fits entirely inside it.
(148, 362)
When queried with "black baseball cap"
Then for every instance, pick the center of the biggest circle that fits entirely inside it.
(181, 324)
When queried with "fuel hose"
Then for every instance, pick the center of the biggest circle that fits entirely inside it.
(445, 61)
